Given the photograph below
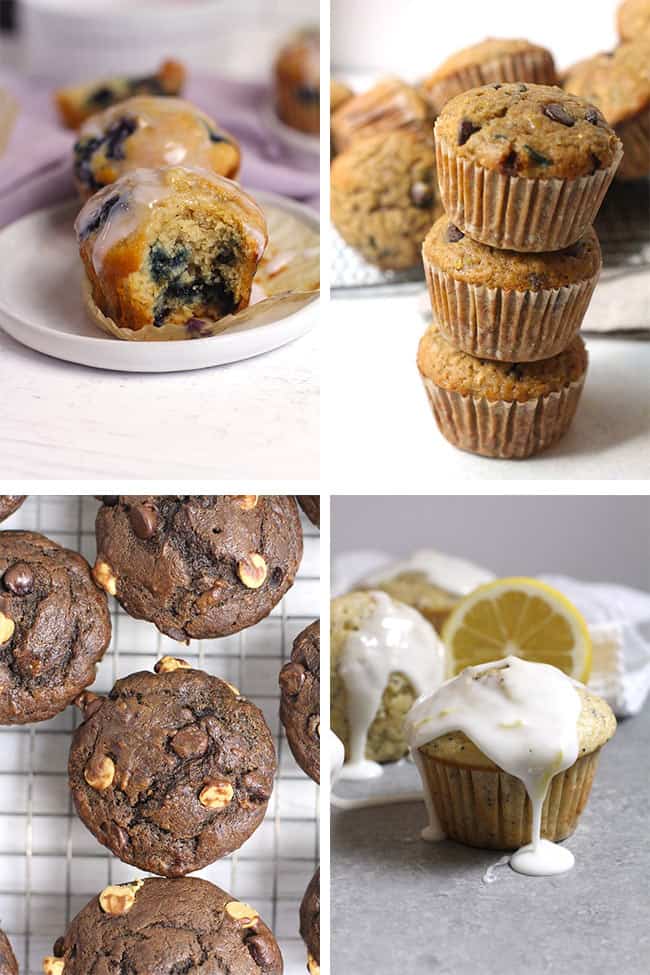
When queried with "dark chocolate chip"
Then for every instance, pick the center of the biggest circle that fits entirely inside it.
(538, 157)
(523, 87)
(558, 113)
(454, 234)
(277, 576)
(497, 86)
(256, 786)
(465, 130)
(59, 948)
(422, 194)
(515, 371)
(536, 281)
(592, 115)
(190, 742)
(292, 677)
(144, 520)
(596, 163)
(19, 579)
(262, 951)
(510, 165)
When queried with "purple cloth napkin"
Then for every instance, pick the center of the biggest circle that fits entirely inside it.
(35, 170)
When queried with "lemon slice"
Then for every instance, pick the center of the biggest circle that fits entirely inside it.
(522, 617)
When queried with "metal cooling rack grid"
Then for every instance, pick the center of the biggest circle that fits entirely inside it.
(50, 865)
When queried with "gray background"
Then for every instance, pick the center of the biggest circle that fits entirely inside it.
(600, 538)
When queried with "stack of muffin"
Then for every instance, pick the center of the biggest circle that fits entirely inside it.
(511, 266)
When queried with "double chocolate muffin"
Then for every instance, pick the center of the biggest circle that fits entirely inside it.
(54, 627)
(198, 566)
(300, 700)
(8, 963)
(165, 927)
(310, 504)
(172, 770)
(10, 503)
(310, 923)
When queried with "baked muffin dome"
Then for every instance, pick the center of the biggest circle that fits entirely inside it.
(297, 82)
(148, 132)
(168, 245)
(390, 104)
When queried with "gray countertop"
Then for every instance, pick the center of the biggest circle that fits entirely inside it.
(400, 905)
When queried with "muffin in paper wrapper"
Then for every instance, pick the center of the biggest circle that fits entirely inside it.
(518, 213)
(499, 428)
(489, 808)
(635, 136)
(287, 278)
(512, 326)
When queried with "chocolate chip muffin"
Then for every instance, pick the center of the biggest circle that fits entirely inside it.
(391, 104)
(8, 963)
(199, 566)
(166, 927)
(633, 19)
(300, 700)
(172, 770)
(54, 627)
(310, 504)
(508, 150)
(297, 82)
(310, 923)
(384, 198)
(10, 503)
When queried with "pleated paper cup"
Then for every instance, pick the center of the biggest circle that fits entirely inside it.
(635, 136)
(512, 326)
(515, 212)
(491, 809)
(510, 430)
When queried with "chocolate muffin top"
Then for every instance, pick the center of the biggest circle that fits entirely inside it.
(300, 700)
(618, 82)
(535, 131)
(10, 503)
(172, 770)
(8, 963)
(310, 918)
(166, 927)
(198, 566)
(54, 627)
(310, 504)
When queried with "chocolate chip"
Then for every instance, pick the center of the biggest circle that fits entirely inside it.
(190, 742)
(522, 88)
(144, 520)
(262, 951)
(256, 786)
(510, 165)
(59, 948)
(595, 161)
(515, 371)
(536, 281)
(558, 113)
(454, 234)
(538, 157)
(422, 194)
(497, 86)
(592, 115)
(277, 576)
(292, 677)
(465, 130)
(19, 579)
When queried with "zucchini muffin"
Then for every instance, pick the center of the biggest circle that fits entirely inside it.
(524, 167)
(505, 305)
(619, 84)
(492, 60)
(383, 197)
(78, 102)
(633, 19)
(501, 409)
(169, 246)
(147, 132)
(297, 82)
(391, 104)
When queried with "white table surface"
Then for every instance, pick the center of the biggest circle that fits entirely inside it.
(391, 441)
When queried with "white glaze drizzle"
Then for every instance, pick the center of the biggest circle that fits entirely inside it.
(456, 576)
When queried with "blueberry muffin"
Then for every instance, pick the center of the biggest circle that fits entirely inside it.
(501, 409)
(172, 770)
(505, 305)
(491, 60)
(300, 700)
(310, 504)
(297, 82)
(78, 102)
(165, 927)
(391, 104)
(619, 84)
(8, 963)
(199, 566)
(383, 197)
(169, 246)
(10, 503)
(523, 167)
(310, 923)
(633, 19)
(54, 627)
(146, 132)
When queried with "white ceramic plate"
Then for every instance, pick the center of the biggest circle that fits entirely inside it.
(41, 304)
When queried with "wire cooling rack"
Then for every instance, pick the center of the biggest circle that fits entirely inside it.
(50, 865)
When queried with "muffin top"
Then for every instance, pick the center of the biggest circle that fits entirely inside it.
(310, 917)
(633, 19)
(394, 169)
(618, 82)
(491, 49)
(464, 259)
(535, 131)
(388, 105)
(519, 381)
(339, 94)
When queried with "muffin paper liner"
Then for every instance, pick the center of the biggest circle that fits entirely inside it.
(514, 212)
(491, 809)
(513, 326)
(502, 429)
(635, 136)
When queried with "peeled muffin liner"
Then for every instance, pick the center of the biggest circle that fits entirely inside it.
(634, 133)
(489, 808)
(515, 212)
(534, 67)
(512, 326)
(289, 273)
(499, 428)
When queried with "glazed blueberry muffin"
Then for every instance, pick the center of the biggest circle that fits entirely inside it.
(492, 60)
(504, 305)
(146, 132)
(172, 770)
(310, 923)
(391, 104)
(633, 19)
(79, 102)
(199, 566)
(8, 963)
(165, 927)
(505, 150)
(170, 246)
(383, 197)
(297, 82)
(501, 409)
(310, 504)
(619, 84)
(300, 700)
(10, 503)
